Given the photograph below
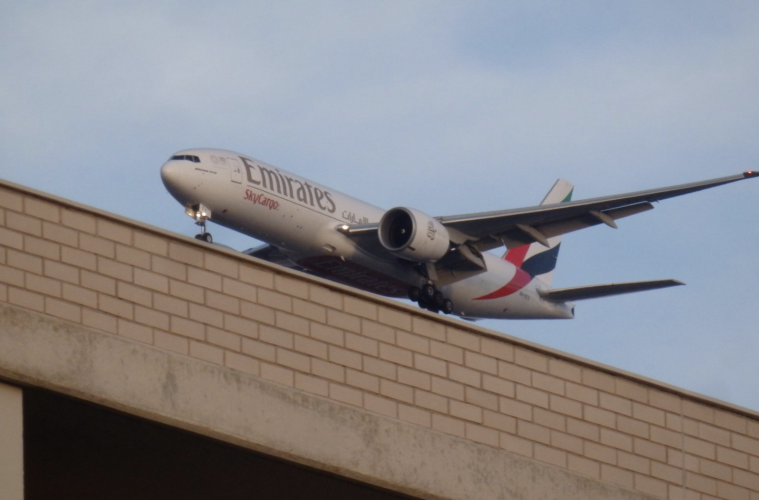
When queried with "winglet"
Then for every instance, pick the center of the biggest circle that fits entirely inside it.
(751, 173)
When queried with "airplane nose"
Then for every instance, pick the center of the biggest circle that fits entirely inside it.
(170, 173)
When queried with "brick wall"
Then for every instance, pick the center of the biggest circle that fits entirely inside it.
(131, 280)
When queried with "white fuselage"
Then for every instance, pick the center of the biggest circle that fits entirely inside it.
(300, 217)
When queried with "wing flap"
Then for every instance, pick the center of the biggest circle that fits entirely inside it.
(597, 291)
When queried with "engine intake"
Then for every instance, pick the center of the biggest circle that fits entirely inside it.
(413, 235)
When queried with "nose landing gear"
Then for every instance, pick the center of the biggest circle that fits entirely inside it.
(430, 298)
(201, 214)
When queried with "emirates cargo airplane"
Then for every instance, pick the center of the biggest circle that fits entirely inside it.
(443, 262)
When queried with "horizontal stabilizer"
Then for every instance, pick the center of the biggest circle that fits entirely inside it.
(596, 291)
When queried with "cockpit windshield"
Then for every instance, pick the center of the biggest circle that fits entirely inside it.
(191, 158)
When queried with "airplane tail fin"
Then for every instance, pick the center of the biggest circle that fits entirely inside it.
(536, 259)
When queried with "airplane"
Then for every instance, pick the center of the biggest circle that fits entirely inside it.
(442, 263)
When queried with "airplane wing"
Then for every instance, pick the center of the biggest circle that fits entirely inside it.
(597, 291)
(521, 226)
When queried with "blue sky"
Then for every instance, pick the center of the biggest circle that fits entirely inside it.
(448, 107)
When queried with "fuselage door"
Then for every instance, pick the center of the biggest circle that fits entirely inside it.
(235, 170)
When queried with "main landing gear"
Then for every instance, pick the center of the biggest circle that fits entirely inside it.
(201, 214)
(430, 298)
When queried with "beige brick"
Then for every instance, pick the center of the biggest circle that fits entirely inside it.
(533, 432)
(532, 396)
(63, 309)
(98, 246)
(151, 317)
(345, 394)
(344, 357)
(185, 253)
(666, 437)
(114, 231)
(398, 392)
(277, 337)
(78, 220)
(430, 401)
(550, 455)
(498, 349)
(633, 462)
(730, 421)
(222, 302)
(580, 465)
(396, 355)
(171, 342)
(223, 338)
(513, 372)
(650, 485)
(394, 318)
(21, 260)
(715, 470)
(151, 280)
(448, 425)
(151, 243)
(499, 421)
(361, 344)
(565, 406)
(291, 286)
(548, 383)
(60, 234)
(238, 289)
(648, 414)
(615, 403)
(430, 365)
(701, 483)
(714, 434)
(311, 347)
(325, 296)
(566, 442)
(62, 272)
(79, 258)
(516, 444)
(99, 320)
(480, 434)
(753, 464)
(698, 411)
(461, 338)
(448, 388)
(328, 370)
(11, 199)
(291, 323)
(549, 419)
(380, 405)
(481, 398)
(732, 457)
(498, 385)
(134, 331)
(310, 311)
(414, 378)
(247, 364)
(583, 429)
(168, 268)
(732, 492)
(565, 370)
(257, 312)
(413, 342)
(515, 408)
(600, 452)
(646, 448)
(187, 328)
(360, 307)
(616, 476)
(311, 384)
(132, 256)
(675, 423)
(531, 359)
(45, 286)
(446, 352)
(135, 294)
(185, 291)
(42, 248)
(275, 300)
(259, 350)
(362, 380)
(632, 426)
(599, 416)
(206, 315)
(343, 321)
(23, 223)
(616, 439)
(293, 360)
(700, 448)
(222, 265)
(428, 328)
(667, 473)
(168, 304)
(377, 331)
(481, 362)
(11, 276)
(746, 479)
(80, 295)
(278, 374)
(664, 400)
(598, 380)
(11, 239)
(379, 367)
(631, 390)
(115, 269)
(414, 415)
(117, 307)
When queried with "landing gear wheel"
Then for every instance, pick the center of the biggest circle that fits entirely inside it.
(447, 306)
(414, 294)
(428, 292)
(438, 299)
(204, 237)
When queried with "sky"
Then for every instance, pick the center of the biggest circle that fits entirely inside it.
(448, 107)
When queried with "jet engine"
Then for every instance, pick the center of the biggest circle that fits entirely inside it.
(413, 235)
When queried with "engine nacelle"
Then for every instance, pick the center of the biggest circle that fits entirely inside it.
(413, 235)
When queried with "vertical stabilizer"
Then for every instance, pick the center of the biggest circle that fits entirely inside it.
(535, 259)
